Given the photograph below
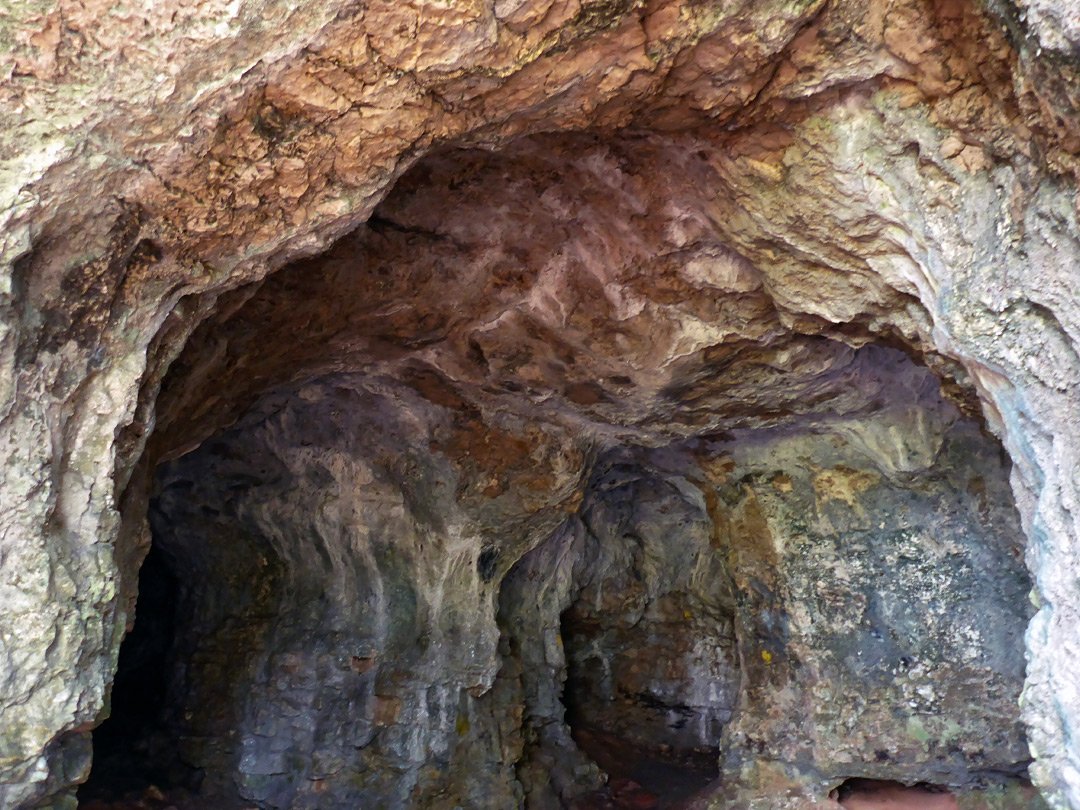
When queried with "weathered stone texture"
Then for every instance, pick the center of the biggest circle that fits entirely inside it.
(840, 596)
(550, 229)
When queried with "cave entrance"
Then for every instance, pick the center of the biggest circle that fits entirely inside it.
(186, 665)
(346, 539)
(652, 669)
(135, 749)
(628, 705)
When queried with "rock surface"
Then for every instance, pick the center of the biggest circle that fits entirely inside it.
(815, 598)
(524, 242)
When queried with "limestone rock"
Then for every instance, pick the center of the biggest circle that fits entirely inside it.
(392, 317)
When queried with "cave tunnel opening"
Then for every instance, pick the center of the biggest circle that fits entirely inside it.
(633, 736)
(135, 754)
(790, 537)
(204, 596)
(652, 672)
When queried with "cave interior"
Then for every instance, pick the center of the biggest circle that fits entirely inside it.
(534, 490)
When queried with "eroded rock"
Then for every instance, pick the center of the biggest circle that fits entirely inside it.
(531, 236)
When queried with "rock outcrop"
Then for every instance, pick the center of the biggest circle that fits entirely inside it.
(495, 379)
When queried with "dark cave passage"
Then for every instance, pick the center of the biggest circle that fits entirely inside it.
(651, 665)
(666, 687)
(184, 668)
(135, 749)
(628, 733)
(652, 672)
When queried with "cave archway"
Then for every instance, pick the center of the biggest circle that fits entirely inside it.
(652, 670)
(398, 527)
(900, 173)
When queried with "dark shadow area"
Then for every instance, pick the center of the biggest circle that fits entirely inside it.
(642, 773)
(135, 755)
(637, 778)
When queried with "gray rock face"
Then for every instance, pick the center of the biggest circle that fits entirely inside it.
(525, 243)
(839, 597)
(371, 678)
(893, 558)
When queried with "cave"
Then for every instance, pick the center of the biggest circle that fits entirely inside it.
(652, 672)
(292, 614)
(133, 748)
(416, 558)
(539, 404)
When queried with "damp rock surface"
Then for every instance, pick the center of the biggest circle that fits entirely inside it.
(418, 336)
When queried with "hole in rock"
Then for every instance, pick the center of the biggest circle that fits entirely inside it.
(634, 736)
(652, 672)
(877, 794)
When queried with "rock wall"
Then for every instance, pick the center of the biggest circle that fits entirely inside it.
(727, 201)
(838, 597)
(339, 603)
(865, 590)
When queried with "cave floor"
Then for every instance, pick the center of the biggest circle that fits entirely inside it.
(661, 787)
(639, 780)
